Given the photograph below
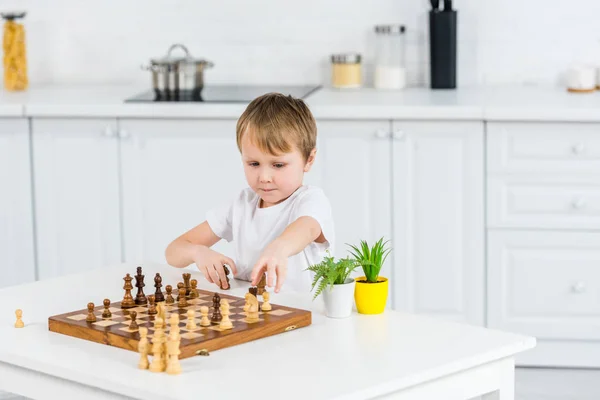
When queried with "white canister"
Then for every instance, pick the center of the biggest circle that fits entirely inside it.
(339, 299)
(581, 78)
(390, 71)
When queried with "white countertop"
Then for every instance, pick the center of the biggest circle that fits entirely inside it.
(362, 356)
(470, 103)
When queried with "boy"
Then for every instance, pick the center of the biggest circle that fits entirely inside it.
(278, 225)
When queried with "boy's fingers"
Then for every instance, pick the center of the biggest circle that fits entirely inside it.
(231, 264)
(271, 274)
(221, 273)
(255, 271)
(281, 274)
(206, 274)
(213, 274)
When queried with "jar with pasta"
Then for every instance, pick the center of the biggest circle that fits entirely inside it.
(14, 58)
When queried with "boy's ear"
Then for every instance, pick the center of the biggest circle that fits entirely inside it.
(310, 160)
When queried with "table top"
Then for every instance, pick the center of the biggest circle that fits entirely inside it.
(357, 357)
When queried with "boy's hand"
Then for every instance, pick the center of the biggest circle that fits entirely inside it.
(211, 263)
(274, 261)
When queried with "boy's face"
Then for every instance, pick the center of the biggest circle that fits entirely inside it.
(273, 178)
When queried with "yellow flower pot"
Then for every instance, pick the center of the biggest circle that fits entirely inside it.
(371, 298)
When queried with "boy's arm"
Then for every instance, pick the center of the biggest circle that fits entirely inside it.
(293, 240)
(182, 251)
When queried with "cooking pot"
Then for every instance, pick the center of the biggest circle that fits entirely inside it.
(175, 76)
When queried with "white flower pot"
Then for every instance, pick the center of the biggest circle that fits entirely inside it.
(339, 299)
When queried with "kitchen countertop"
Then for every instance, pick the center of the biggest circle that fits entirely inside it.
(470, 103)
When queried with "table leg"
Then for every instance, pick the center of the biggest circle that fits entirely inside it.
(506, 390)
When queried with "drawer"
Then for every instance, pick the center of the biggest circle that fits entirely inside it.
(545, 284)
(543, 147)
(543, 201)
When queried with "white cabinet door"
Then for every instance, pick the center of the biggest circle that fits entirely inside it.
(17, 259)
(353, 167)
(439, 219)
(174, 171)
(76, 175)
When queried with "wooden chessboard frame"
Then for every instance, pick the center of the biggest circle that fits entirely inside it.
(114, 331)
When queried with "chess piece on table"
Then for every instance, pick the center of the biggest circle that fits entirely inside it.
(140, 297)
(106, 313)
(19, 322)
(169, 299)
(252, 313)
(191, 320)
(182, 299)
(225, 322)
(204, 321)
(91, 317)
(158, 294)
(186, 282)
(173, 364)
(158, 341)
(179, 286)
(261, 284)
(143, 348)
(152, 305)
(160, 311)
(247, 301)
(221, 285)
(133, 324)
(174, 331)
(127, 301)
(216, 316)
(266, 306)
(194, 291)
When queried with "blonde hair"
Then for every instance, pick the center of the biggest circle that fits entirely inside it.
(277, 123)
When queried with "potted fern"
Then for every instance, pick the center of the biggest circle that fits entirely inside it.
(332, 279)
(371, 290)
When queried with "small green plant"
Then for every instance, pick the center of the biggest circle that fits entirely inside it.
(371, 259)
(330, 272)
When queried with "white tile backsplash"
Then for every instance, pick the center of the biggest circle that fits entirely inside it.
(269, 41)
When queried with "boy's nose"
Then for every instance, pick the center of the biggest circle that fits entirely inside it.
(265, 176)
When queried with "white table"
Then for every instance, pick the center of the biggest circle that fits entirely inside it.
(392, 355)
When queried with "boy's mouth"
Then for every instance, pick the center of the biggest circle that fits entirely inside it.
(267, 190)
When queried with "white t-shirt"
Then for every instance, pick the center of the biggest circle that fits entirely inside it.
(251, 229)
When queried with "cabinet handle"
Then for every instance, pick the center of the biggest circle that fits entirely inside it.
(108, 132)
(382, 134)
(398, 135)
(578, 148)
(578, 287)
(578, 204)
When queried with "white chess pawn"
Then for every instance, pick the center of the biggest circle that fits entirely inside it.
(266, 306)
(143, 348)
(225, 322)
(191, 323)
(173, 364)
(174, 332)
(204, 321)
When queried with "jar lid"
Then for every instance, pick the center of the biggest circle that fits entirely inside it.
(390, 29)
(346, 58)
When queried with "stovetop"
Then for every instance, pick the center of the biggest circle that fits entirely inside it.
(222, 94)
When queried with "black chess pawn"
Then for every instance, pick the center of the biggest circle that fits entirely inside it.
(158, 295)
(216, 316)
(140, 298)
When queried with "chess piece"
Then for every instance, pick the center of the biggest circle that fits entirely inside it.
(194, 290)
(158, 295)
(106, 313)
(91, 317)
(140, 297)
(127, 301)
(133, 324)
(191, 321)
(204, 321)
(262, 284)
(252, 313)
(247, 303)
(152, 305)
(266, 306)
(169, 299)
(174, 331)
(173, 364)
(225, 322)
(19, 314)
(158, 341)
(186, 282)
(143, 348)
(216, 316)
(182, 299)
(253, 290)
(221, 285)
(179, 286)
(160, 311)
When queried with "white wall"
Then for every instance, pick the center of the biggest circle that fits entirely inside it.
(254, 41)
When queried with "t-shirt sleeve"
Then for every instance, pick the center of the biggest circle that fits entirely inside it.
(316, 204)
(220, 221)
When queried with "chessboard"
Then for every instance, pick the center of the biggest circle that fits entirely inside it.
(110, 323)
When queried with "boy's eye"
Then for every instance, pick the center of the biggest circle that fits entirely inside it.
(253, 164)
(278, 165)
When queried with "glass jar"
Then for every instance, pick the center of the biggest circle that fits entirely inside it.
(14, 59)
(346, 70)
(390, 70)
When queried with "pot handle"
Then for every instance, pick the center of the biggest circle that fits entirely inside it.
(176, 45)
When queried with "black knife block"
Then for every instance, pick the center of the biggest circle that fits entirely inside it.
(442, 49)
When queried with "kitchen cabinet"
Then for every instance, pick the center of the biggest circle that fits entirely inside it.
(173, 172)
(76, 186)
(17, 256)
(438, 219)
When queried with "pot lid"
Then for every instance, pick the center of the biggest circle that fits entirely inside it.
(186, 58)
